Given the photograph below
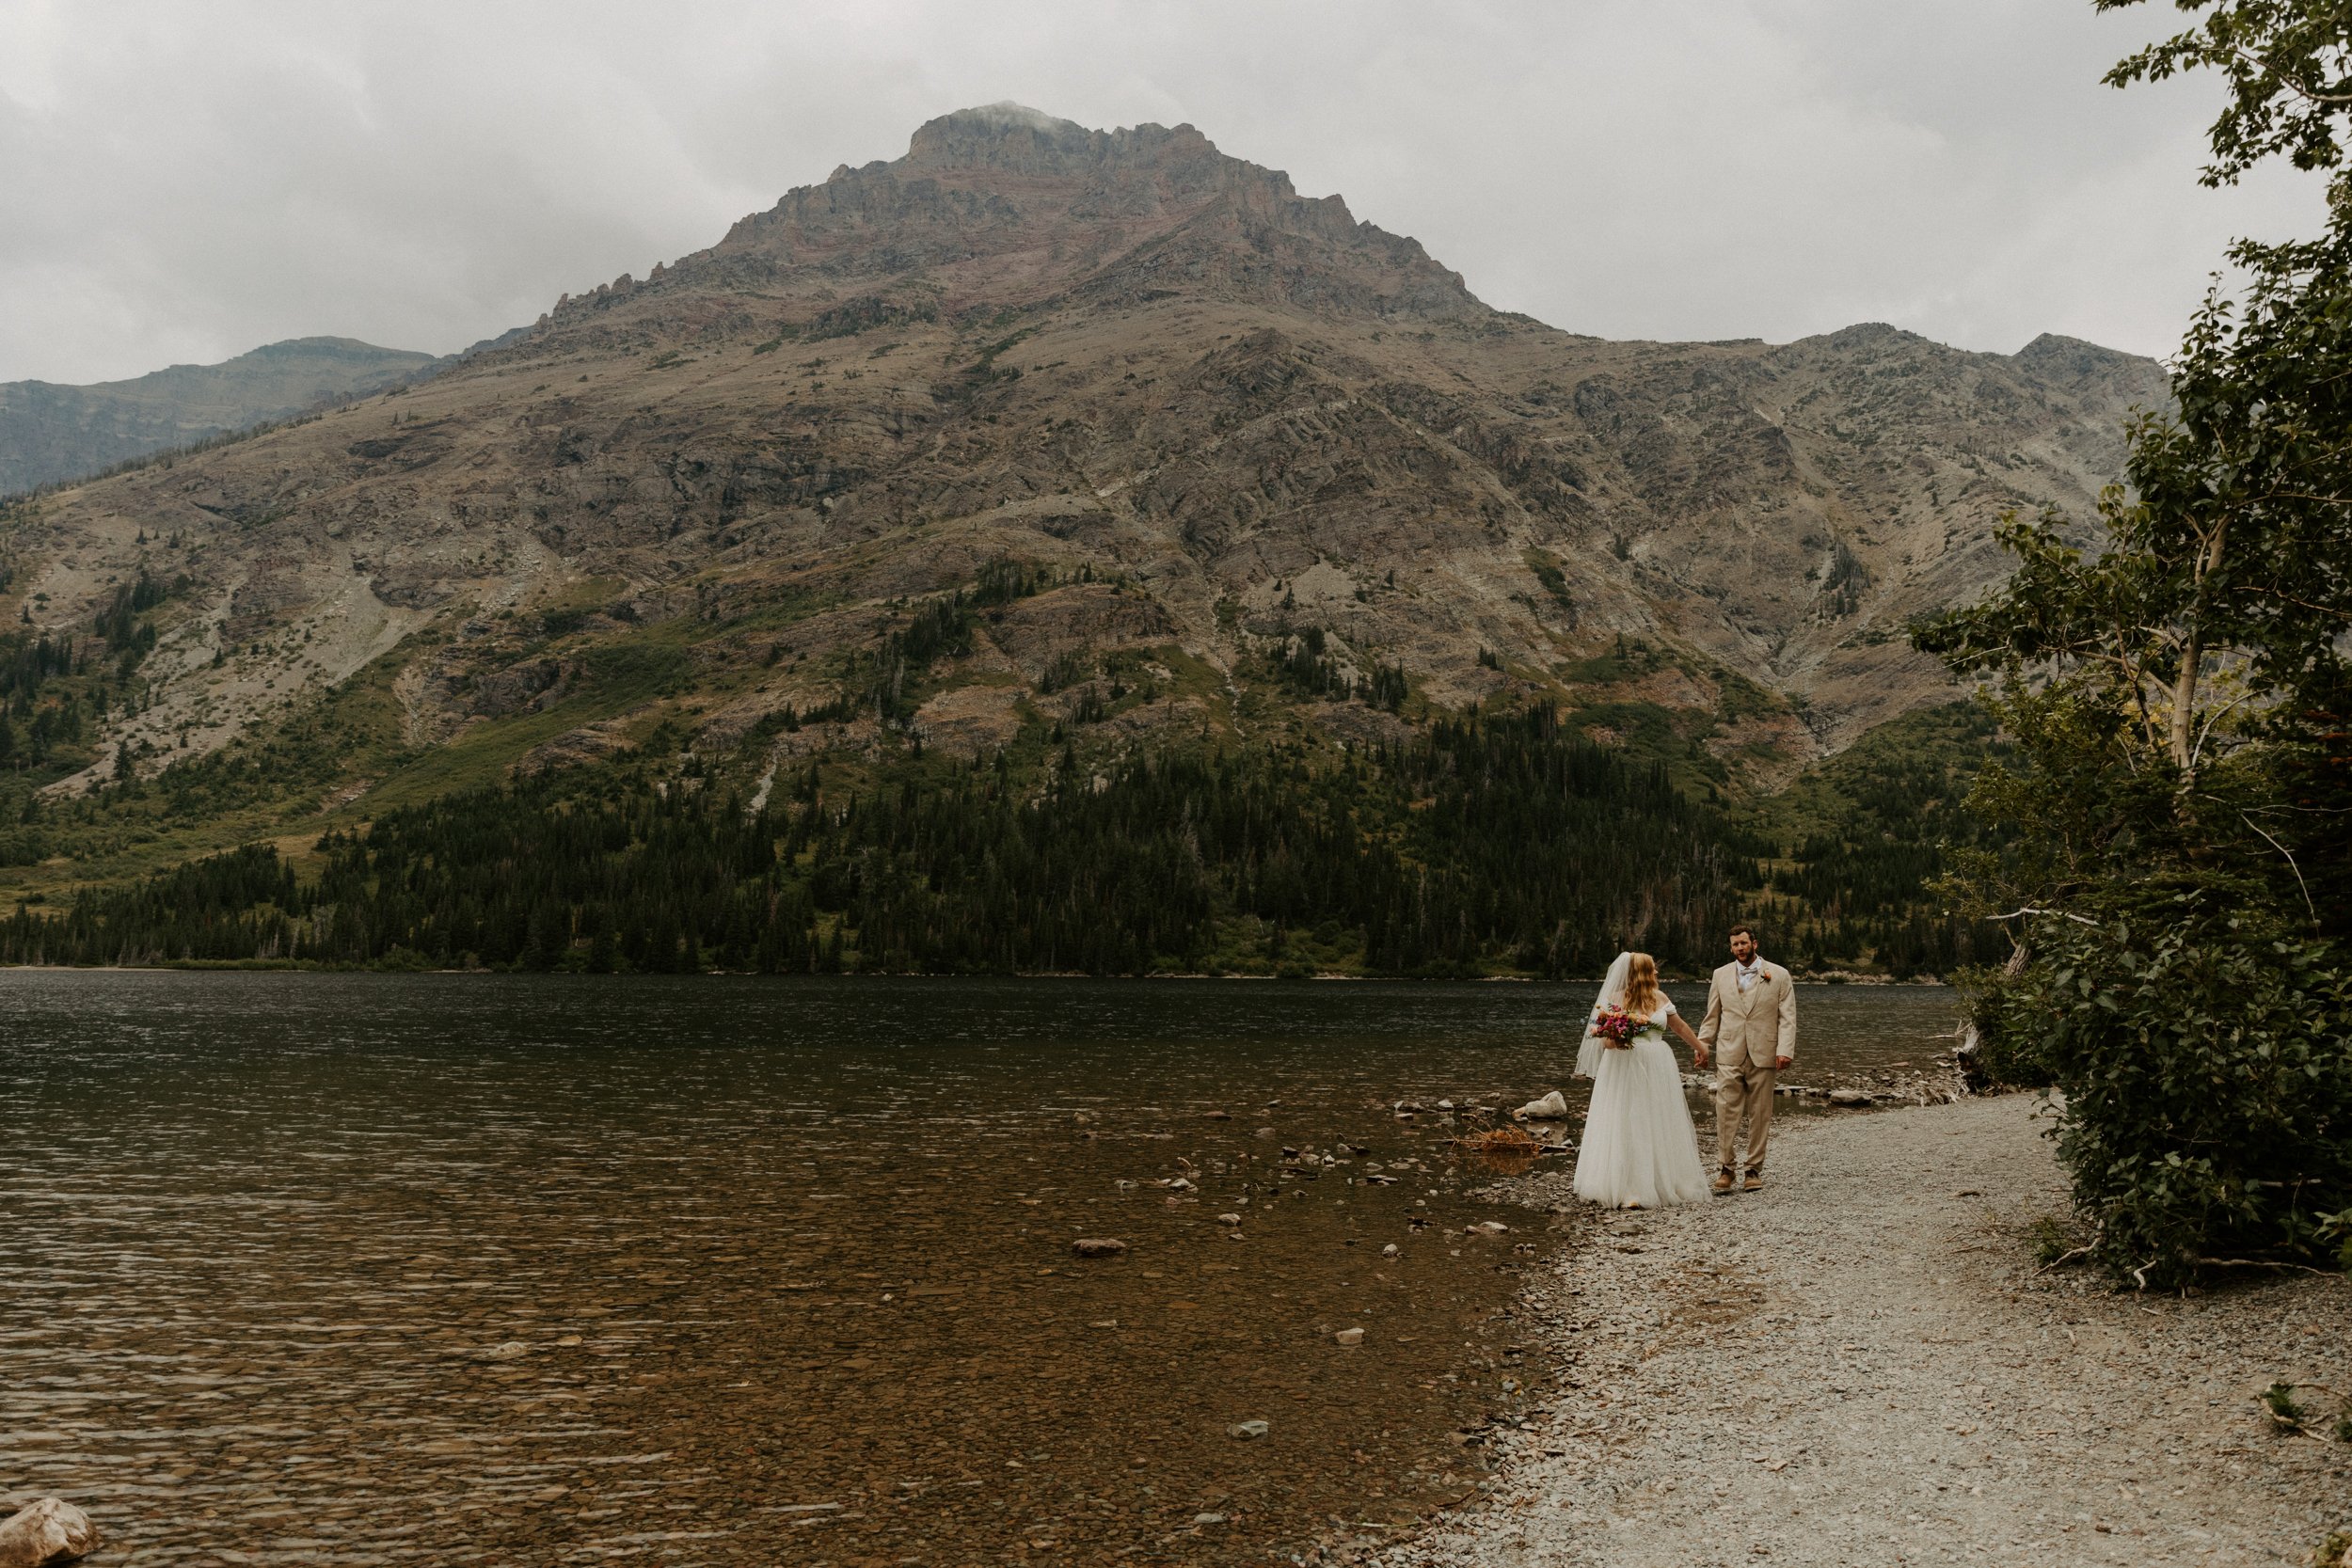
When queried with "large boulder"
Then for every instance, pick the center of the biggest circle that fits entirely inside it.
(46, 1533)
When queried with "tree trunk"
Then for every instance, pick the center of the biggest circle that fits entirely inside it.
(2184, 704)
(2192, 652)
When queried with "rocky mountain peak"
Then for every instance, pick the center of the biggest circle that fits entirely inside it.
(1267, 459)
(2084, 367)
(1009, 116)
(1007, 205)
(1016, 140)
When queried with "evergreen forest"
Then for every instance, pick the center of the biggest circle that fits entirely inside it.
(1502, 844)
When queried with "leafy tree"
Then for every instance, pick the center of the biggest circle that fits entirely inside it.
(2176, 830)
(2290, 73)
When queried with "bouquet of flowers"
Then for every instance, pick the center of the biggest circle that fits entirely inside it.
(1616, 1026)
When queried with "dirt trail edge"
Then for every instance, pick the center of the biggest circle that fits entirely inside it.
(1859, 1365)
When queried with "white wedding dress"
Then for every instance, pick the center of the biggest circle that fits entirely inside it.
(1640, 1145)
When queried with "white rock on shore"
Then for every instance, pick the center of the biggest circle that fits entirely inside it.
(46, 1533)
(1860, 1365)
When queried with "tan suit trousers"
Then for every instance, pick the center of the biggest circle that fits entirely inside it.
(1744, 1090)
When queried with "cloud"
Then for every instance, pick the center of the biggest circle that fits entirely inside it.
(184, 183)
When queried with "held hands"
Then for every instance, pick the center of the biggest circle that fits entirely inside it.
(1701, 1054)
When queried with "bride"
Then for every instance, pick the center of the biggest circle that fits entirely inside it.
(1640, 1150)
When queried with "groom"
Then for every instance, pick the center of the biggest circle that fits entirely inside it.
(1752, 1009)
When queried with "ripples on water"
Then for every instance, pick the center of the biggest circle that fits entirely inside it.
(362, 1269)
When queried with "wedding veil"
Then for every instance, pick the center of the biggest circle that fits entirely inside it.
(1611, 995)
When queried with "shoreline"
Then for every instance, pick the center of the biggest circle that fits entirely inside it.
(1861, 1364)
(309, 966)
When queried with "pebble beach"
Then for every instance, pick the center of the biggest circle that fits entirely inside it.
(1863, 1364)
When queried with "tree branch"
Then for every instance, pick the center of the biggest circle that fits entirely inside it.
(2304, 603)
(2211, 720)
(2255, 65)
(2077, 918)
(2308, 905)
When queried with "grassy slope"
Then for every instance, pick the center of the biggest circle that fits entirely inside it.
(1905, 778)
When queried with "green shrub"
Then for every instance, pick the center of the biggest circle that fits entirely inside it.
(1997, 1063)
(2203, 1070)
(2280, 1401)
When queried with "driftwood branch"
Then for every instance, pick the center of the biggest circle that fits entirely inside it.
(2264, 1263)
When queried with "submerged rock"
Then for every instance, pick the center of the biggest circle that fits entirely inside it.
(1098, 1247)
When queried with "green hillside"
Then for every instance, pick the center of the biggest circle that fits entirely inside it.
(1498, 844)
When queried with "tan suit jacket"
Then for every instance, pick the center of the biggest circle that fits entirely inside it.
(1754, 1025)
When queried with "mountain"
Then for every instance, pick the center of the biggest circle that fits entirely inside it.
(49, 433)
(1252, 466)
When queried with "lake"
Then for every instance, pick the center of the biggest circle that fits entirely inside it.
(445, 1269)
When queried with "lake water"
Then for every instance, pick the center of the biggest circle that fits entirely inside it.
(443, 1269)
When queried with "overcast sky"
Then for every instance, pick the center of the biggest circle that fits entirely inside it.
(181, 182)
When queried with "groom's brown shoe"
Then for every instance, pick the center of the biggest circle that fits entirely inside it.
(1723, 1181)
(1754, 1183)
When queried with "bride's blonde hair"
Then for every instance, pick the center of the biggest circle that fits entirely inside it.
(1640, 987)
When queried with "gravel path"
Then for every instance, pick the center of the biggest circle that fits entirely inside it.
(1859, 1366)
